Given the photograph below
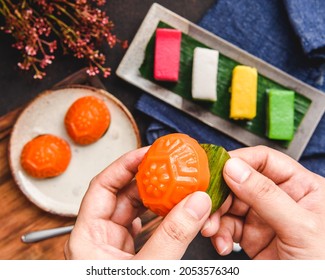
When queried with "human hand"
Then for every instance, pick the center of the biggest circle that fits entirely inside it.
(108, 218)
(277, 210)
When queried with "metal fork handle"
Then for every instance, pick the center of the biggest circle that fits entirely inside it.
(39, 235)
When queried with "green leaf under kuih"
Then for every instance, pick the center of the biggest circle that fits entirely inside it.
(222, 106)
(218, 189)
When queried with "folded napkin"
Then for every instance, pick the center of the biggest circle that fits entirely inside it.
(275, 32)
(307, 18)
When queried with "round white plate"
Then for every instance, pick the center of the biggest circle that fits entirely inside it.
(62, 195)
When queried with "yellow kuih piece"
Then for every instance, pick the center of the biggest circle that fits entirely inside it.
(243, 93)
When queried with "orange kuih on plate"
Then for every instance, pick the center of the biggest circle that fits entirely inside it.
(175, 166)
(45, 156)
(62, 194)
(87, 120)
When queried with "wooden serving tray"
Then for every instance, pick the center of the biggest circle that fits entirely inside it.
(19, 216)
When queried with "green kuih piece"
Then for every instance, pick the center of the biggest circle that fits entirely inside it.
(280, 114)
(218, 189)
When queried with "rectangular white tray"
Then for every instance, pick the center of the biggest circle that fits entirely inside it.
(131, 62)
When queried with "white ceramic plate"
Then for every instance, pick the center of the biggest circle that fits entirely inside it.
(129, 71)
(62, 195)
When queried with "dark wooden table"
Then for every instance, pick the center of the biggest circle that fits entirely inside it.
(18, 87)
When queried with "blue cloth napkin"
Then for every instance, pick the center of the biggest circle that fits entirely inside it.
(275, 32)
(309, 24)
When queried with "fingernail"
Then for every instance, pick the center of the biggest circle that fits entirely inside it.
(222, 246)
(198, 204)
(237, 170)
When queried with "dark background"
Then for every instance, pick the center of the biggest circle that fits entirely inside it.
(18, 87)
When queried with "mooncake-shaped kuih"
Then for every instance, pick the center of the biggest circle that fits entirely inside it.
(87, 120)
(45, 156)
(174, 166)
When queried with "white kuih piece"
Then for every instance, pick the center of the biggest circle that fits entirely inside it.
(204, 75)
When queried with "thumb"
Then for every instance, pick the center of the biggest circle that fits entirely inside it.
(178, 229)
(270, 202)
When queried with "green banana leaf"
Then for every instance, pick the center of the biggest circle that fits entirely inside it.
(222, 105)
(218, 189)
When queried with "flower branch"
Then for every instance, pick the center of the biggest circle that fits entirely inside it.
(79, 26)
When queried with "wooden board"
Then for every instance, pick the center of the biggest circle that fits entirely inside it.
(19, 216)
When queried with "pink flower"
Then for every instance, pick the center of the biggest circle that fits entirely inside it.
(81, 2)
(92, 70)
(31, 51)
(52, 46)
(106, 72)
(111, 40)
(27, 13)
(101, 2)
(125, 44)
(18, 45)
(46, 60)
(39, 75)
(25, 65)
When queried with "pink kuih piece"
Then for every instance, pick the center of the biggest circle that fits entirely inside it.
(167, 54)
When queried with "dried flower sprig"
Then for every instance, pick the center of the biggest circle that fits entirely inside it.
(79, 26)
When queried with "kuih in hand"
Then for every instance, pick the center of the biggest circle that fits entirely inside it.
(175, 166)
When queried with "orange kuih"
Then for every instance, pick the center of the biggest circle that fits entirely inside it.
(174, 167)
(45, 156)
(87, 120)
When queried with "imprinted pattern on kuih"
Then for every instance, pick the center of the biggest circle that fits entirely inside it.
(221, 107)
